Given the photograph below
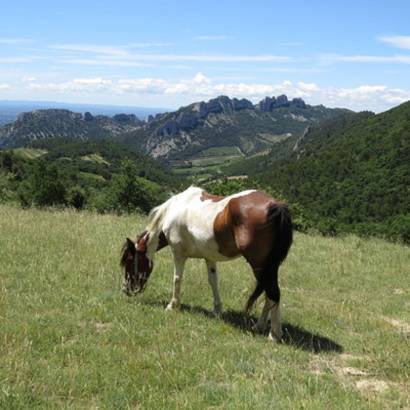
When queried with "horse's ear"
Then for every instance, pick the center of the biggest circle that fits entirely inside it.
(131, 245)
(142, 242)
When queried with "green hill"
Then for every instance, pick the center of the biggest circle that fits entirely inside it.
(353, 174)
(83, 174)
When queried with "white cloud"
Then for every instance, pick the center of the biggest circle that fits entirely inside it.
(88, 85)
(4, 87)
(211, 58)
(396, 41)
(336, 58)
(28, 79)
(103, 62)
(308, 87)
(123, 56)
(148, 45)
(369, 97)
(376, 97)
(143, 85)
(91, 48)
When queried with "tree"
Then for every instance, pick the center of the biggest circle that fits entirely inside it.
(44, 187)
(129, 192)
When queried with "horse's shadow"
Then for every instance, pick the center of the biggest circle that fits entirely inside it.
(294, 336)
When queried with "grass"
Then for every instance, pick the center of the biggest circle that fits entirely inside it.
(30, 153)
(97, 158)
(220, 152)
(70, 339)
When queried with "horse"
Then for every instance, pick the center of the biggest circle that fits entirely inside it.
(196, 224)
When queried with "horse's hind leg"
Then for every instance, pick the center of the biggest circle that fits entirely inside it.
(179, 263)
(213, 282)
(269, 278)
(262, 322)
(273, 296)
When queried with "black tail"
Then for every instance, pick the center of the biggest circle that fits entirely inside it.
(281, 222)
(279, 218)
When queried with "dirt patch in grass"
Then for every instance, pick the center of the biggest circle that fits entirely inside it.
(369, 386)
(400, 325)
(100, 327)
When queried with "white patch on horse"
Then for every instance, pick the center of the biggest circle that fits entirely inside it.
(189, 224)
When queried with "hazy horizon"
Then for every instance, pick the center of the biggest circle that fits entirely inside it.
(354, 55)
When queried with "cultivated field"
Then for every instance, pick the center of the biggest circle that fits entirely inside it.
(70, 339)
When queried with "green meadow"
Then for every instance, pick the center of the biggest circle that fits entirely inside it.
(69, 339)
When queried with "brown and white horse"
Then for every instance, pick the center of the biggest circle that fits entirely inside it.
(196, 224)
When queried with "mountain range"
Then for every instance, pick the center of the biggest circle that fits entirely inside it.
(59, 123)
(216, 132)
(10, 109)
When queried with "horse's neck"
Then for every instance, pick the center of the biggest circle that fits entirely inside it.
(154, 227)
(153, 242)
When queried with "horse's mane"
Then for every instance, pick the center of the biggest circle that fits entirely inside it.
(156, 217)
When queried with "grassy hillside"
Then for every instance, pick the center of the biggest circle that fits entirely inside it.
(70, 339)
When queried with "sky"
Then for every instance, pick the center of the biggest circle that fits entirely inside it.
(352, 54)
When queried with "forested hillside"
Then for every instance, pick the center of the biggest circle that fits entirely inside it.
(100, 175)
(352, 175)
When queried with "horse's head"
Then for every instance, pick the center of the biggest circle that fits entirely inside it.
(137, 265)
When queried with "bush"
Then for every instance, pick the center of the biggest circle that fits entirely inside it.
(76, 197)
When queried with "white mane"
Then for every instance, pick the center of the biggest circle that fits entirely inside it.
(156, 217)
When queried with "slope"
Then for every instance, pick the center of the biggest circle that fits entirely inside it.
(354, 176)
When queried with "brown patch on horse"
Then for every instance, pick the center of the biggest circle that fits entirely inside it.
(142, 241)
(214, 198)
(242, 227)
(224, 234)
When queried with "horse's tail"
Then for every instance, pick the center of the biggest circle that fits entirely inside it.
(280, 221)
(279, 218)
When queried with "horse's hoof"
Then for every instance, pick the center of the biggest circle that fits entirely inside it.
(218, 311)
(171, 307)
(277, 338)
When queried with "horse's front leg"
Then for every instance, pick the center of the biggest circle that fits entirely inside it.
(179, 263)
(213, 282)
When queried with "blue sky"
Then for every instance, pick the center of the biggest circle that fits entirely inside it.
(354, 54)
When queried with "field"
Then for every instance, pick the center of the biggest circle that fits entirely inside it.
(70, 339)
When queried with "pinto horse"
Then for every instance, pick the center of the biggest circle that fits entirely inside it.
(196, 224)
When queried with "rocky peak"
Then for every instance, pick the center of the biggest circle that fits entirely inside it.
(271, 103)
(190, 117)
(126, 119)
